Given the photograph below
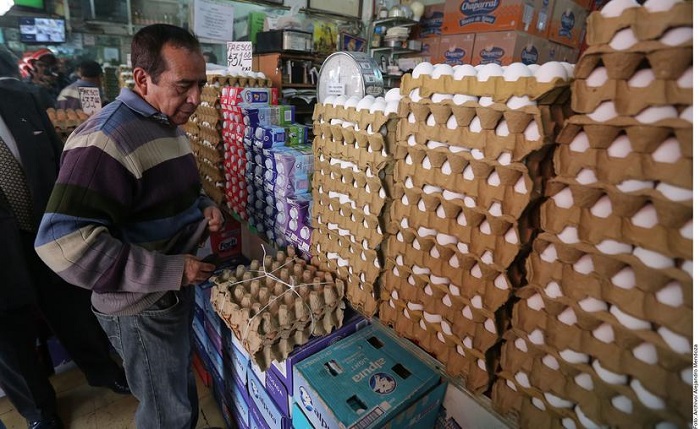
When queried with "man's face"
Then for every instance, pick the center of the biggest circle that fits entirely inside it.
(177, 93)
(44, 72)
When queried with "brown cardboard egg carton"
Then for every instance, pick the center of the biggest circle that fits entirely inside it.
(617, 356)
(324, 113)
(645, 25)
(539, 379)
(666, 62)
(218, 81)
(471, 281)
(213, 191)
(638, 301)
(207, 168)
(356, 180)
(361, 228)
(628, 100)
(362, 191)
(554, 92)
(548, 120)
(475, 371)
(614, 170)
(373, 151)
(596, 404)
(514, 193)
(263, 311)
(363, 296)
(518, 406)
(358, 261)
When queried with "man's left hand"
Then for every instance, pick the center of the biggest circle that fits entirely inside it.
(215, 218)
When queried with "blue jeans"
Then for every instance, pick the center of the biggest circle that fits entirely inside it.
(155, 346)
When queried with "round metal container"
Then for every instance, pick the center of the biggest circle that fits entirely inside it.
(349, 74)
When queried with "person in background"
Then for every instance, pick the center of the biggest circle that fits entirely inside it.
(29, 155)
(38, 69)
(90, 75)
(210, 57)
(126, 215)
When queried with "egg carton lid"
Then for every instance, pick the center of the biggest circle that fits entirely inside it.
(645, 25)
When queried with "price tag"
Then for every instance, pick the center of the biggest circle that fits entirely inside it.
(335, 89)
(90, 100)
(240, 54)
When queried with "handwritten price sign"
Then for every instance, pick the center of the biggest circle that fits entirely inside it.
(90, 100)
(240, 54)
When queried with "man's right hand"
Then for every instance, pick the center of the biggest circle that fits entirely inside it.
(196, 271)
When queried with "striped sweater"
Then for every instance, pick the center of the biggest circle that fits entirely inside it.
(125, 206)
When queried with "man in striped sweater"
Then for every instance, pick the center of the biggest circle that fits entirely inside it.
(125, 215)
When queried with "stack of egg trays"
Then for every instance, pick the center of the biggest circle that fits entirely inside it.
(462, 213)
(352, 188)
(268, 316)
(617, 252)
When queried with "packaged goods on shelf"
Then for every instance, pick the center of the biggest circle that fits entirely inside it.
(462, 16)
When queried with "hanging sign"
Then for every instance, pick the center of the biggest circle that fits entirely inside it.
(90, 100)
(240, 54)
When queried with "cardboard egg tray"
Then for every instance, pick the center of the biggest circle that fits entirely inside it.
(365, 229)
(638, 300)
(667, 63)
(554, 92)
(324, 113)
(663, 238)
(510, 402)
(471, 281)
(356, 182)
(270, 318)
(360, 189)
(457, 360)
(215, 191)
(366, 150)
(228, 80)
(628, 100)
(548, 120)
(616, 356)
(205, 167)
(644, 24)
(596, 404)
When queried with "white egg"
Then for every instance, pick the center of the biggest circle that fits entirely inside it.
(464, 70)
(454, 262)
(628, 321)
(608, 376)
(584, 381)
(653, 259)
(586, 176)
(642, 79)
(391, 107)
(460, 99)
(532, 132)
(537, 402)
(476, 302)
(536, 337)
(569, 69)
(438, 97)
(579, 143)
(446, 168)
(329, 100)
(646, 217)
(568, 317)
(550, 71)
(521, 345)
(687, 114)
(551, 362)
(489, 325)
(677, 343)
(655, 114)
(660, 5)
(573, 356)
(441, 70)
(516, 102)
(687, 230)
(476, 273)
(687, 376)
(351, 102)
(613, 247)
(504, 158)
(621, 147)
(677, 36)
(366, 103)
(602, 208)
(646, 352)
(488, 71)
(415, 96)
(485, 101)
(535, 302)
(520, 186)
(452, 123)
(432, 144)
(687, 266)
(549, 254)
(516, 71)
(686, 79)
(552, 290)
(569, 235)
(616, 7)
(568, 423)
(624, 278)
(377, 106)
(340, 101)
(647, 398)
(394, 94)
(668, 152)
(446, 239)
(494, 179)
(487, 257)
(604, 112)
(635, 185)
(604, 333)
(584, 420)
(422, 68)
(557, 402)
(623, 403)
(623, 40)
(430, 121)
(502, 129)
(475, 125)
(426, 163)
(597, 78)
(533, 68)
(592, 305)
(674, 193)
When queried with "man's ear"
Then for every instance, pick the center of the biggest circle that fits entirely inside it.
(141, 81)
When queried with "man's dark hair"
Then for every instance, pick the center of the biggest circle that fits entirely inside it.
(211, 57)
(148, 43)
(89, 69)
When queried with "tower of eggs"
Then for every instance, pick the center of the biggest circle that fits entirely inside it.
(474, 148)
(276, 304)
(352, 189)
(602, 335)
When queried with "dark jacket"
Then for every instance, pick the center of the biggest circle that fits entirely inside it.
(40, 150)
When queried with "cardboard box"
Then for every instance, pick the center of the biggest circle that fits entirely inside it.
(477, 16)
(267, 408)
(508, 47)
(299, 419)
(241, 403)
(234, 96)
(568, 23)
(431, 22)
(455, 49)
(226, 243)
(368, 379)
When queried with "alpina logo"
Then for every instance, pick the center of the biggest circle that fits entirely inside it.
(568, 20)
(479, 7)
(529, 56)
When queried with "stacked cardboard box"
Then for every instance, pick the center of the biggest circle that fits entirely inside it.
(277, 304)
(602, 335)
(469, 171)
(352, 187)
